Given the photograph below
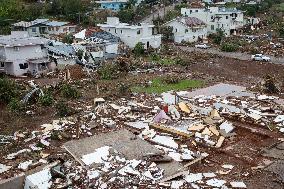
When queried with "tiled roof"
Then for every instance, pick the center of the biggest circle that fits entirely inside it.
(190, 21)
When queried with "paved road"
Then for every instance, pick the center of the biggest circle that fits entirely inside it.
(238, 55)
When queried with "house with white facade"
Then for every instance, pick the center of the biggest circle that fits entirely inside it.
(132, 34)
(189, 29)
(230, 20)
(40, 27)
(21, 54)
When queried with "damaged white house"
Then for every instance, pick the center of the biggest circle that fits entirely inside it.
(132, 34)
(230, 20)
(189, 29)
(40, 27)
(21, 54)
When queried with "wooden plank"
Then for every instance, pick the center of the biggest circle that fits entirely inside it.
(194, 161)
(74, 156)
(170, 130)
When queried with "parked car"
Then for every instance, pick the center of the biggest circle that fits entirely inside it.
(202, 46)
(260, 57)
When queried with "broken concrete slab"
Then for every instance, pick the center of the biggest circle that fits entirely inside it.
(222, 90)
(275, 152)
(277, 168)
(130, 146)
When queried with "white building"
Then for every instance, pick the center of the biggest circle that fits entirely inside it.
(188, 29)
(21, 54)
(229, 20)
(132, 34)
(40, 27)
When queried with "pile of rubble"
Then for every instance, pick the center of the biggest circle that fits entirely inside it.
(172, 126)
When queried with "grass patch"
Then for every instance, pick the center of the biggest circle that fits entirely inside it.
(159, 86)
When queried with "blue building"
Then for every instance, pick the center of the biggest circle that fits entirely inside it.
(114, 5)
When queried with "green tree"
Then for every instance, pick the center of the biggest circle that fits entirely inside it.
(126, 15)
(167, 33)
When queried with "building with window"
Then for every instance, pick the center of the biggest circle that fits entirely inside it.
(188, 29)
(21, 54)
(132, 34)
(230, 20)
(40, 27)
(114, 5)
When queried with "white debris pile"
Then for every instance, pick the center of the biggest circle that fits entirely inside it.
(107, 169)
(205, 180)
(260, 109)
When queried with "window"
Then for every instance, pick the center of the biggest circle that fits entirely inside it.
(212, 27)
(194, 30)
(109, 30)
(57, 28)
(23, 66)
(196, 10)
(176, 30)
(16, 48)
(193, 37)
(190, 11)
(138, 32)
(34, 30)
(114, 30)
(212, 17)
(120, 31)
(2, 64)
(227, 17)
(186, 30)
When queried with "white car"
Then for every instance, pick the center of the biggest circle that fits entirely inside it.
(260, 57)
(202, 46)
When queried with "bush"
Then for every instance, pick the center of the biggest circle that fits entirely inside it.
(8, 90)
(68, 91)
(68, 39)
(270, 85)
(107, 71)
(123, 88)
(155, 57)
(139, 49)
(218, 37)
(63, 109)
(16, 106)
(171, 79)
(229, 47)
(46, 99)
(181, 62)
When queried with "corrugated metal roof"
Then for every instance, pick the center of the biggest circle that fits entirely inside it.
(106, 36)
(56, 23)
(29, 24)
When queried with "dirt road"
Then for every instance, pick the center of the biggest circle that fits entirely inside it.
(159, 13)
(237, 55)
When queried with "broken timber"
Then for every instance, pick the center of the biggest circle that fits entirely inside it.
(170, 130)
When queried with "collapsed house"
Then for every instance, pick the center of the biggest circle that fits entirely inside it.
(61, 54)
(160, 139)
(21, 54)
(98, 45)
